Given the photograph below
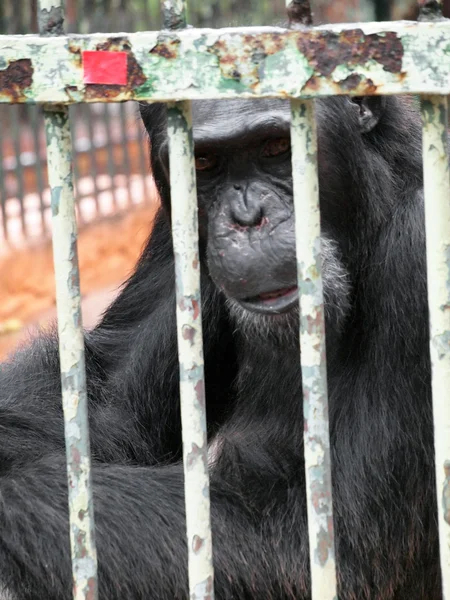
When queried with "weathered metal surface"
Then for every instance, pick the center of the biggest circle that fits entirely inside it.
(313, 355)
(299, 13)
(184, 208)
(174, 14)
(430, 9)
(71, 340)
(71, 344)
(190, 350)
(370, 58)
(51, 17)
(437, 218)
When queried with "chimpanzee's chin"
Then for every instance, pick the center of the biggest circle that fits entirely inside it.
(270, 325)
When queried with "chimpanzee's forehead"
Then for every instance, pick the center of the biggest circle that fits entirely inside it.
(230, 119)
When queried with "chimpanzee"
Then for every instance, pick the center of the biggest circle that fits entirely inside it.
(373, 251)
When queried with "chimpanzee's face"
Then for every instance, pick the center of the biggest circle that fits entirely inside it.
(244, 183)
(246, 209)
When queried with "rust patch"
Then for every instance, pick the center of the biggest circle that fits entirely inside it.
(328, 50)
(75, 49)
(356, 82)
(192, 456)
(200, 393)
(17, 77)
(92, 589)
(135, 74)
(313, 84)
(188, 333)
(253, 49)
(166, 47)
(197, 543)
(196, 307)
(81, 538)
(71, 91)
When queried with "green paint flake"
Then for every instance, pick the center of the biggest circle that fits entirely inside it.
(288, 69)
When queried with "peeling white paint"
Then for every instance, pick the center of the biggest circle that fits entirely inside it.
(313, 355)
(195, 70)
(437, 220)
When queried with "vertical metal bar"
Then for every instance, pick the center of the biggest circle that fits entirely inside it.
(71, 341)
(299, 13)
(430, 10)
(437, 225)
(437, 222)
(313, 355)
(190, 350)
(15, 130)
(189, 333)
(34, 112)
(174, 13)
(312, 335)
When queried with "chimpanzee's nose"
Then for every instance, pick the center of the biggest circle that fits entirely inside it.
(245, 207)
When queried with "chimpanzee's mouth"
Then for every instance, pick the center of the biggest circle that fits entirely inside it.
(272, 303)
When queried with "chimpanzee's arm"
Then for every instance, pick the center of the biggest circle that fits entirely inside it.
(140, 523)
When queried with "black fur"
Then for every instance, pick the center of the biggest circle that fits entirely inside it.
(380, 409)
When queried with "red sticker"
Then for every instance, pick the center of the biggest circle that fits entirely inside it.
(109, 68)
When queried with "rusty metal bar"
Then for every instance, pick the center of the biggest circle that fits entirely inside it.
(430, 9)
(437, 220)
(189, 331)
(71, 340)
(313, 354)
(316, 437)
(190, 351)
(174, 14)
(299, 13)
(385, 58)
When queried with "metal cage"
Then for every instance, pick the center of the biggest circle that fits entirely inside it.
(178, 65)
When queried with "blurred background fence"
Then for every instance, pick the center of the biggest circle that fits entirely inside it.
(111, 166)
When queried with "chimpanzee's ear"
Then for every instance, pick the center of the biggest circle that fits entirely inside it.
(369, 109)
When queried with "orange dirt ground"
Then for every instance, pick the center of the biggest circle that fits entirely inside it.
(107, 251)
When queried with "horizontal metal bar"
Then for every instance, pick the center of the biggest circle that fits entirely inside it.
(437, 219)
(362, 58)
(313, 353)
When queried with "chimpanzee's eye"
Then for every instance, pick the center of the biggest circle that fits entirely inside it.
(206, 162)
(276, 147)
